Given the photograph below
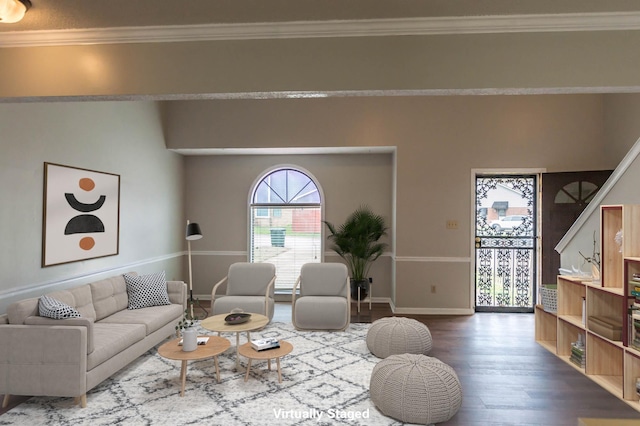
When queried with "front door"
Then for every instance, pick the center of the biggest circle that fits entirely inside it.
(564, 196)
(505, 241)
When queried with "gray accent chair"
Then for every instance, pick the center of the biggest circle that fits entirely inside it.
(324, 302)
(250, 287)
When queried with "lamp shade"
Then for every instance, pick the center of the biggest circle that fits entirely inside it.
(193, 231)
(13, 10)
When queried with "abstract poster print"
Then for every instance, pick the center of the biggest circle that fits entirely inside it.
(81, 214)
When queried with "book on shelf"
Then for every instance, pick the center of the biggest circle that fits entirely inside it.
(265, 344)
(579, 363)
(578, 356)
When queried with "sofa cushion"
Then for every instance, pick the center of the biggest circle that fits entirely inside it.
(147, 290)
(78, 298)
(321, 313)
(84, 322)
(55, 309)
(109, 296)
(18, 311)
(255, 304)
(111, 339)
(153, 317)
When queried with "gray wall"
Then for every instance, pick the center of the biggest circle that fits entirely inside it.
(622, 130)
(217, 196)
(485, 63)
(124, 138)
(439, 140)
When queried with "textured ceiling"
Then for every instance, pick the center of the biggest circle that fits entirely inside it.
(73, 14)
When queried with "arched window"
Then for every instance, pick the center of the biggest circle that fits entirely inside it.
(286, 223)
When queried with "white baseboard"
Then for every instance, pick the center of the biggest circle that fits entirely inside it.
(386, 300)
(434, 311)
(431, 311)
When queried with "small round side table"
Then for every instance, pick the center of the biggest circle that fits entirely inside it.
(214, 347)
(217, 323)
(251, 354)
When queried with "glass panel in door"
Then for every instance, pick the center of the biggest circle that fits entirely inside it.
(505, 243)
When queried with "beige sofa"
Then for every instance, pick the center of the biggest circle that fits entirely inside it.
(68, 357)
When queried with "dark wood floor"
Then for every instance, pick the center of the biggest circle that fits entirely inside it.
(507, 378)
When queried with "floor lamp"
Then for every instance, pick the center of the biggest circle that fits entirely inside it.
(193, 233)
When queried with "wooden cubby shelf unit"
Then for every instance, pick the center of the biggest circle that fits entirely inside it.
(605, 363)
(613, 364)
(611, 257)
(570, 296)
(546, 329)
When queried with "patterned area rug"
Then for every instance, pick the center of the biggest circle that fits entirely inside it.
(325, 381)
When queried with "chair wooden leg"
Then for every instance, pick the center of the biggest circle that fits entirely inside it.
(82, 400)
(5, 401)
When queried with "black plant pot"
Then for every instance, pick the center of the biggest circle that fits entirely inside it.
(364, 287)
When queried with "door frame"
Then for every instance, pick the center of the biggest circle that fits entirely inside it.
(472, 225)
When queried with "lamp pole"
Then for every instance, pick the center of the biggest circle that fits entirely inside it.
(190, 276)
(193, 233)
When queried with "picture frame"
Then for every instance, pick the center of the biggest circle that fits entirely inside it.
(81, 214)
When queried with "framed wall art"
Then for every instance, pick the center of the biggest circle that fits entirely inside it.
(81, 214)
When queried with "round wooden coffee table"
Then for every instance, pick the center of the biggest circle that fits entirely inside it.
(214, 347)
(216, 323)
(247, 351)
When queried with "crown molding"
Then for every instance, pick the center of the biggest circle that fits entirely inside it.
(610, 21)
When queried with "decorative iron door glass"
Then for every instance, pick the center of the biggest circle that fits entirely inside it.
(81, 214)
(505, 242)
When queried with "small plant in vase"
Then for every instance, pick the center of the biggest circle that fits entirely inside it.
(186, 329)
(594, 260)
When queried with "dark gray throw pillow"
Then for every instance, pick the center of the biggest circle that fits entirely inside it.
(53, 308)
(147, 290)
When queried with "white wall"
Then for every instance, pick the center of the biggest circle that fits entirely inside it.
(124, 138)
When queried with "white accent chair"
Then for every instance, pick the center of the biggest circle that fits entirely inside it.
(250, 287)
(324, 302)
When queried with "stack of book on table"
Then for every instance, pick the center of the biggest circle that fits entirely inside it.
(578, 355)
(264, 344)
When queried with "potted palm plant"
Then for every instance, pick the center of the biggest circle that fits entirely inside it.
(357, 242)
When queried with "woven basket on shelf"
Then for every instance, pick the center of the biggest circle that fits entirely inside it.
(549, 296)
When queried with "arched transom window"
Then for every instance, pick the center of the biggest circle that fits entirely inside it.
(286, 223)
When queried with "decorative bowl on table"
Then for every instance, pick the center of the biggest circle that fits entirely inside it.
(237, 318)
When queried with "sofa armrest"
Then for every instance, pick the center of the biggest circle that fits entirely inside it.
(43, 360)
(177, 292)
(84, 322)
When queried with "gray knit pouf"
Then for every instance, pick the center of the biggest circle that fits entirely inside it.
(398, 335)
(415, 389)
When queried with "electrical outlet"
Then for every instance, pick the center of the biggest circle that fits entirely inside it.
(433, 289)
(452, 224)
